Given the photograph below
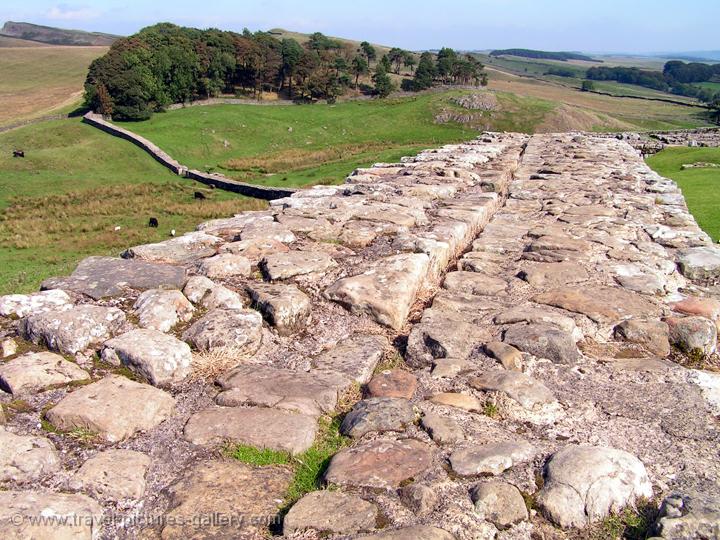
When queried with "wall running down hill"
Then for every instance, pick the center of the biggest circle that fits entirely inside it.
(518, 321)
(211, 179)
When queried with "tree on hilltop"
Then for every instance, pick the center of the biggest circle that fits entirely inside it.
(320, 42)
(369, 51)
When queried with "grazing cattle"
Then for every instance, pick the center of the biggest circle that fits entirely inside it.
(18, 153)
(200, 195)
(153, 222)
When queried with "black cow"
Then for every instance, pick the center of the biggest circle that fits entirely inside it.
(18, 153)
(200, 195)
(153, 222)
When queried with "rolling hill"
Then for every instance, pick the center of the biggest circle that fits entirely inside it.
(543, 55)
(55, 36)
(40, 79)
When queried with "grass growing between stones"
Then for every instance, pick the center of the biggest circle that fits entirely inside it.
(630, 524)
(701, 187)
(258, 456)
(491, 410)
(308, 467)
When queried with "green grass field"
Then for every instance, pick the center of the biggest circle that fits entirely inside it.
(701, 187)
(711, 85)
(293, 145)
(63, 201)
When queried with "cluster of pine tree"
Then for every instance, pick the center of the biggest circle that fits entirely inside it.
(447, 67)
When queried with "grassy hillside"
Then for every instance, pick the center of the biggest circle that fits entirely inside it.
(64, 200)
(6, 41)
(699, 186)
(291, 145)
(594, 112)
(56, 36)
(42, 80)
(541, 69)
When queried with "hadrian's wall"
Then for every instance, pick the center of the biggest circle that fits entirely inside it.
(517, 337)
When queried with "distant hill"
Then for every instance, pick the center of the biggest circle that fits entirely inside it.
(693, 56)
(55, 36)
(544, 55)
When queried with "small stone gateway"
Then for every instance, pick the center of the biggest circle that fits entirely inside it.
(409, 356)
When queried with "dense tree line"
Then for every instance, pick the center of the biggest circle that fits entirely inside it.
(166, 64)
(677, 77)
(680, 72)
(632, 75)
(562, 72)
(546, 55)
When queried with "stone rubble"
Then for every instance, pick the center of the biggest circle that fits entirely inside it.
(513, 318)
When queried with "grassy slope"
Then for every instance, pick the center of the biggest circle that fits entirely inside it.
(365, 131)
(701, 187)
(63, 201)
(711, 85)
(42, 79)
(539, 68)
(6, 41)
(612, 113)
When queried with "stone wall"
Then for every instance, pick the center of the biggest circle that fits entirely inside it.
(516, 336)
(693, 137)
(655, 141)
(216, 180)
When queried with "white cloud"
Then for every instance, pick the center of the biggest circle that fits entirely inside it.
(64, 12)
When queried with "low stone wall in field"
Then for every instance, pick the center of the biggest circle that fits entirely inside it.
(216, 180)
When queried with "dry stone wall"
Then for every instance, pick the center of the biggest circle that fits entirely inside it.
(162, 157)
(517, 336)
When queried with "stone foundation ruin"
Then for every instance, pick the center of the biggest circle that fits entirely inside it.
(519, 334)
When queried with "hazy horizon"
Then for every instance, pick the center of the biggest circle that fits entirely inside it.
(612, 26)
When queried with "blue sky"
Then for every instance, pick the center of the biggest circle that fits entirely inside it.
(589, 25)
